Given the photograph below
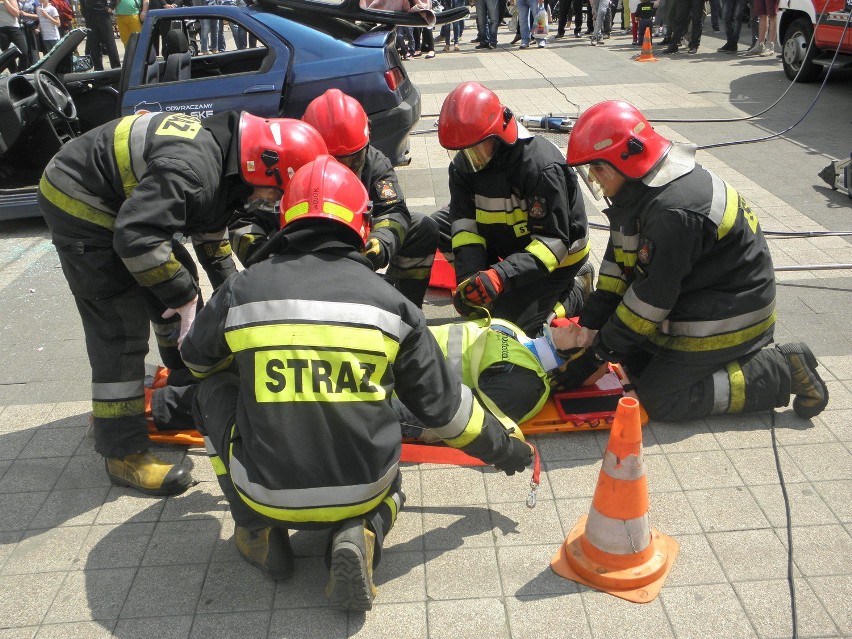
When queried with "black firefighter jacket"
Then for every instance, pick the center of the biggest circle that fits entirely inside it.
(320, 344)
(686, 275)
(524, 208)
(135, 182)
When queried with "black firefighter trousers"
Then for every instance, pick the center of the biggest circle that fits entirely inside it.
(117, 314)
(215, 412)
(410, 269)
(674, 391)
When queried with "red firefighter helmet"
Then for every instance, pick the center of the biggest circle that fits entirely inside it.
(472, 113)
(617, 133)
(273, 149)
(325, 189)
(340, 120)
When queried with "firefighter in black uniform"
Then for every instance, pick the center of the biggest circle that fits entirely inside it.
(114, 199)
(516, 216)
(300, 429)
(686, 291)
(404, 242)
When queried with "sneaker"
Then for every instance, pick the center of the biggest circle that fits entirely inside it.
(446, 48)
(148, 474)
(350, 575)
(524, 45)
(456, 47)
(542, 44)
(430, 55)
(559, 36)
(692, 50)
(268, 549)
(585, 280)
(768, 50)
(805, 383)
(755, 50)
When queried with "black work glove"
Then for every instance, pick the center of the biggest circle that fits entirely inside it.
(575, 371)
(513, 457)
(376, 252)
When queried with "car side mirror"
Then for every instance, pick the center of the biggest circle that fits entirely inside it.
(82, 63)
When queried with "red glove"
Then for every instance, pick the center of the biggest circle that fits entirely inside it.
(481, 289)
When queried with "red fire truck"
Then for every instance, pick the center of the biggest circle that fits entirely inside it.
(797, 22)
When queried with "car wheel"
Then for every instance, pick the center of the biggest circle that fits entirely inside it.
(796, 58)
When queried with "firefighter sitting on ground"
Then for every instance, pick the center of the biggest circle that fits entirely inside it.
(686, 291)
(516, 217)
(312, 340)
(403, 242)
(114, 198)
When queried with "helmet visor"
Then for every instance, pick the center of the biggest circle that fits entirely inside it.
(354, 161)
(595, 188)
(479, 155)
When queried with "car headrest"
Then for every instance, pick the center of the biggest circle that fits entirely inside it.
(176, 42)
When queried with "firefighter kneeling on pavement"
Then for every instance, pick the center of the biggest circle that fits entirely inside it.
(114, 199)
(686, 292)
(299, 356)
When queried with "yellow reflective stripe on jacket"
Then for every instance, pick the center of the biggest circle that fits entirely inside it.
(713, 342)
(507, 218)
(473, 428)
(543, 253)
(123, 154)
(206, 371)
(578, 251)
(634, 322)
(349, 338)
(465, 238)
(612, 284)
(390, 224)
(323, 503)
(159, 274)
(75, 207)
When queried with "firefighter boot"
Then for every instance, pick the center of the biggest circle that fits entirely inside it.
(805, 383)
(585, 280)
(267, 549)
(148, 474)
(350, 579)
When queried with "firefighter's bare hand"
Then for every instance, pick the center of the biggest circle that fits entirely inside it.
(481, 289)
(513, 457)
(187, 317)
(376, 252)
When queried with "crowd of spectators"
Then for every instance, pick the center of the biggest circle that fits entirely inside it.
(675, 24)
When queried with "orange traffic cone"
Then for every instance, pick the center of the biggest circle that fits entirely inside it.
(614, 549)
(647, 54)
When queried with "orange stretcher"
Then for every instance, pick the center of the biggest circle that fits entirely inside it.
(587, 408)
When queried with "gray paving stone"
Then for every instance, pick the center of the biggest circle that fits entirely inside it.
(24, 416)
(52, 442)
(84, 471)
(834, 592)
(91, 595)
(75, 507)
(307, 588)
(8, 541)
(822, 462)
(746, 431)
(245, 625)
(126, 505)
(449, 527)
(31, 475)
(24, 599)
(839, 422)
(462, 573)
(838, 496)
(468, 619)
(526, 572)
(757, 466)
(806, 505)
(577, 479)
(619, 618)
(502, 488)
(711, 610)
(401, 577)
(18, 509)
(115, 546)
(672, 514)
(18, 633)
(309, 623)
(695, 564)
(535, 525)
(154, 627)
(14, 442)
(88, 629)
(767, 604)
(750, 555)
(676, 437)
(391, 621)
(158, 589)
(48, 550)
(720, 509)
(704, 470)
(821, 550)
(452, 486)
(549, 617)
(235, 587)
(177, 542)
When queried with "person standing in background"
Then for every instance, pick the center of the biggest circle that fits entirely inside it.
(128, 17)
(48, 24)
(97, 14)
